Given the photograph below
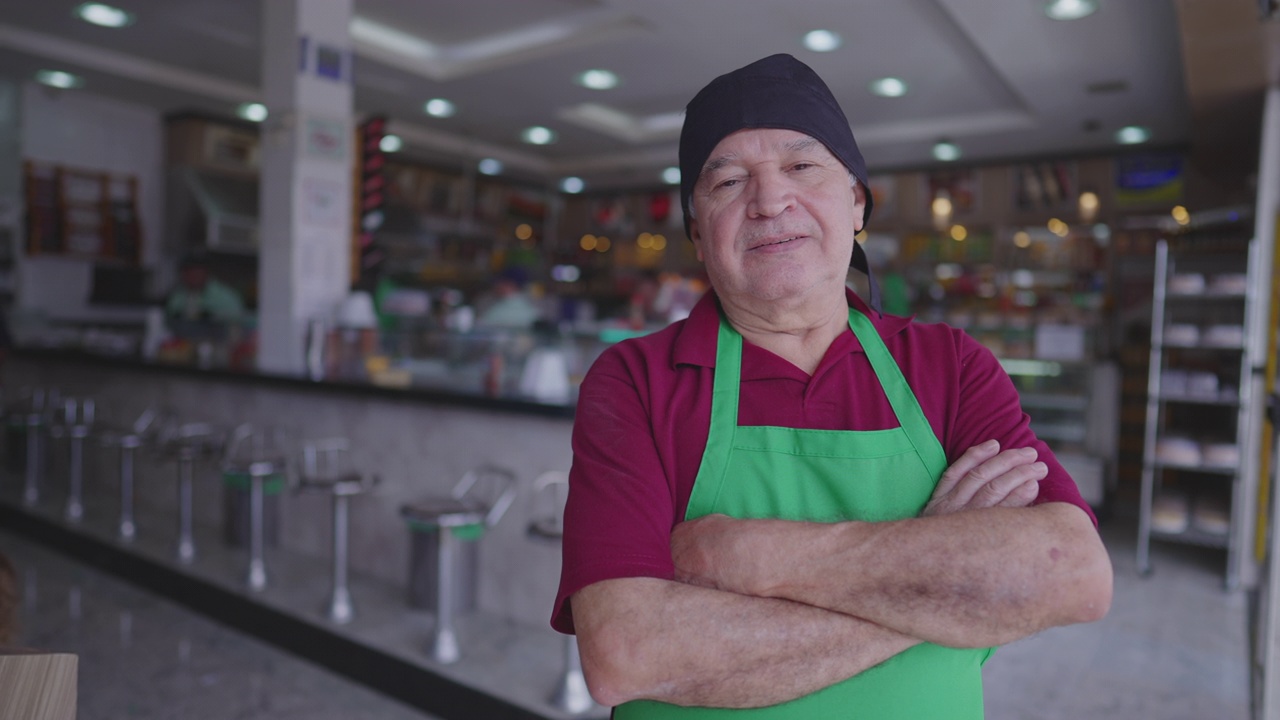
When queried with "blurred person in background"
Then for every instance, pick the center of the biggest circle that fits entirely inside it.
(508, 304)
(201, 297)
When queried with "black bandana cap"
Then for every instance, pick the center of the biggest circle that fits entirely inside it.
(777, 92)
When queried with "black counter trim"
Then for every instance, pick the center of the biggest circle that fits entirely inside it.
(384, 673)
(360, 389)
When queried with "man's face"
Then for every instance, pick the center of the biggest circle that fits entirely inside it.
(775, 216)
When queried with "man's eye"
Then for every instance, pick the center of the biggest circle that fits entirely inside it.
(802, 166)
(727, 183)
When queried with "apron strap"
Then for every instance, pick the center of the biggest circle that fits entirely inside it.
(900, 395)
(724, 421)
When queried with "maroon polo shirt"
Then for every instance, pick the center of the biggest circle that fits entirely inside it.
(645, 407)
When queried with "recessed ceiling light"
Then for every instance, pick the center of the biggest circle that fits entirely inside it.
(390, 143)
(253, 112)
(890, 87)
(572, 184)
(439, 107)
(671, 175)
(821, 40)
(1070, 9)
(490, 166)
(946, 151)
(538, 135)
(598, 80)
(1132, 135)
(104, 15)
(59, 79)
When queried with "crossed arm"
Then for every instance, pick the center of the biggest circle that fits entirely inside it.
(764, 611)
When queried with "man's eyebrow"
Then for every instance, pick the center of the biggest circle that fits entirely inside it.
(800, 144)
(716, 163)
(797, 145)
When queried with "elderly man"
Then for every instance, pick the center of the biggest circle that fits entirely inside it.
(790, 505)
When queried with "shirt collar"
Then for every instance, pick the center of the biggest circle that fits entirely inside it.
(696, 342)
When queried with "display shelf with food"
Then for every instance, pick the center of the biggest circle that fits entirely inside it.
(1197, 398)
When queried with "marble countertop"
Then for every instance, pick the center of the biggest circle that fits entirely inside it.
(142, 657)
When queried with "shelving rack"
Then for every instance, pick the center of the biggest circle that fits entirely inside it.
(1193, 417)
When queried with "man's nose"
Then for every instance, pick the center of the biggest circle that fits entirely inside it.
(771, 195)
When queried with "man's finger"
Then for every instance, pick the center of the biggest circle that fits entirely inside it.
(989, 471)
(972, 458)
(1023, 495)
(994, 492)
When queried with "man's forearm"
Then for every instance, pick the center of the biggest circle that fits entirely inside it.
(645, 638)
(968, 579)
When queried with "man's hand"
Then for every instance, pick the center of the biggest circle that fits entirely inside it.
(984, 477)
(721, 552)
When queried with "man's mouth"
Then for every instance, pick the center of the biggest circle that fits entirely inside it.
(779, 241)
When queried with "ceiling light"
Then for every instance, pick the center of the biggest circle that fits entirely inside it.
(392, 40)
(821, 40)
(104, 15)
(890, 87)
(598, 80)
(253, 112)
(538, 135)
(490, 166)
(59, 79)
(1022, 239)
(1132, 135)
(572, 184)
(946, 151)
(959, 233)
(1070, 9)
(439, 107)
(671, 175)
(390, 143)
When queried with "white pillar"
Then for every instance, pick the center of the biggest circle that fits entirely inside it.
(307, 152)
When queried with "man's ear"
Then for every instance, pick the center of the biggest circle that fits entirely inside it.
(859, 206)
(696, 237)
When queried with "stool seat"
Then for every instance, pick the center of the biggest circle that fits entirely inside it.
(446, 512)
(346, 484)
(547, 528)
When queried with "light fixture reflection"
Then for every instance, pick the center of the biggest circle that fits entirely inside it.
(821, 40)
(59, 79)
(439, 107)
(1070, 9)
(946, 151)
(572, 185)
(890, 87)
(1132, 135)
(538, 135)
(253, 112)
(598, 79)
(490, 166)
(104, 15)
(390, 143)
(671, 176)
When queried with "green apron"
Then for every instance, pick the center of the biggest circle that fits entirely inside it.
(831, 476)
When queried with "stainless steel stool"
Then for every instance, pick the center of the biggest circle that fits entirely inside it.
(478, 501)
(74, 421)
(37, 424)
(188, 443)
(326, 467)
(570, 694)
(260, 454)
(128, 442)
